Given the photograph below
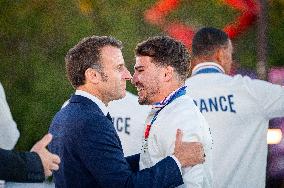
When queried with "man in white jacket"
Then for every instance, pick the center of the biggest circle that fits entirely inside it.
(9, 133)
(160, 71)
(236, 108)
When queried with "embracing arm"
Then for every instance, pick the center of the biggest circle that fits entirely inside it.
(106, 162)
(133, 162)
(28, 166)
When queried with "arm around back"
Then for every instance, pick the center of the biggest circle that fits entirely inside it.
(133, 162)
(105, 160)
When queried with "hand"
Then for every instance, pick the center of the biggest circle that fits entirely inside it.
(49, 161)
(188, 153)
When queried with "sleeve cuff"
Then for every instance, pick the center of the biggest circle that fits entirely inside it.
(177, 162)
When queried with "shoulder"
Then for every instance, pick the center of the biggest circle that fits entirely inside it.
(258, 87)
(203, 80)
(182, 106)
(183, 102)
(76, 119)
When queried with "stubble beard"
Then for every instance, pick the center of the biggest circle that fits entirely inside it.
(114, 93)
(149, 93)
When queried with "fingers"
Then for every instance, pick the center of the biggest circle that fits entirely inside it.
(198, 149)
(189, 153)
(42, 143)
(178, 141)
(50, 163)
(55, 159)
(48, 173)
(54, 167)
(45, 140)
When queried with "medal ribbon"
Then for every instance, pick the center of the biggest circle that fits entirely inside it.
(157, 107)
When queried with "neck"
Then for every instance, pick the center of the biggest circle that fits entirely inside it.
(202, 59)
(199, 60)
(166, 90)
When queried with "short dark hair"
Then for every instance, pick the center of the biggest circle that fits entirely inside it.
(87, 54)
(166, 51)
(207, 40)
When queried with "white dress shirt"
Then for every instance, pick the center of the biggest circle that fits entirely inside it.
(100, 104)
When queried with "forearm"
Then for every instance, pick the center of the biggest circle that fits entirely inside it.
(20, 166)
(165, 173)
(133, 162)
(106, 162)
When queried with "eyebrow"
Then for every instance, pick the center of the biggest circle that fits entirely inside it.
(120, 65)
(138, 67)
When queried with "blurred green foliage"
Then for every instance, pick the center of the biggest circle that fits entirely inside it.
(35, 36)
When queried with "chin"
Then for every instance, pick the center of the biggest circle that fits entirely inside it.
(122, 95)
(143, 102)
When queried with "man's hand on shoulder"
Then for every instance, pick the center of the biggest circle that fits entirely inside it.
(49, 161)
(188, 153)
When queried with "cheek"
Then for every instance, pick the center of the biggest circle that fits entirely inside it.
(152, 82)
(138, 78)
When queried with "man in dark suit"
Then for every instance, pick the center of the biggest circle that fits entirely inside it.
(84, 136)
(31, 166)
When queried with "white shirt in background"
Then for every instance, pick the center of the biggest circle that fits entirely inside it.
(9, 133)
(237, 110)
(129, 121)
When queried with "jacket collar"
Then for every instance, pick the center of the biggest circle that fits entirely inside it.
(84, 101)
(93, 98)
(207, 67)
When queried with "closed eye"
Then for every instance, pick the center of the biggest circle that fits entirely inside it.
(139, 70)
(120, 67)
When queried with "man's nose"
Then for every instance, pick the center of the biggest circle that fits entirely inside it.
(134, 79)
(127, 75)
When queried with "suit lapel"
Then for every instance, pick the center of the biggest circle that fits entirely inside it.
(93, 107)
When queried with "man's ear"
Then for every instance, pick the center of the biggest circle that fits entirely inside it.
(92, 76)
(168, 73)
(219, 55)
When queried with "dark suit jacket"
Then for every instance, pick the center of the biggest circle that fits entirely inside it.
(20, 166)
(92, 156)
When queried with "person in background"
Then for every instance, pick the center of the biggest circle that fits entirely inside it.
(161, 69)
(237, 109)
(129, 120)
(31, 166)
(9, 133)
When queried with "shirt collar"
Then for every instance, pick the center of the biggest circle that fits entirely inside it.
(100, 104)
(201, 67)
(166, 99)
